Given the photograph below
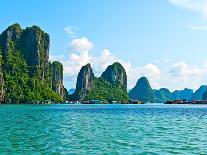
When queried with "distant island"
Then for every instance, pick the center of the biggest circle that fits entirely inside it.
(27, 76)
(143, 91)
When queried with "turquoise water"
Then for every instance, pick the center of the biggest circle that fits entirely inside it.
(103, 129)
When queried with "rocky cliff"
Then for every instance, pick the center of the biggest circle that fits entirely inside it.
(85, 82)
(11, 34)
(197, 95)
(111, 86)
(162, 95)
(115, 74)
(57, 78)
(182, 94)
(1, 79)
(204, 96)
(142, 91)
(27, 73)
(32, 43)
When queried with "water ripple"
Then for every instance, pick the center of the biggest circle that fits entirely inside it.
(103, 129)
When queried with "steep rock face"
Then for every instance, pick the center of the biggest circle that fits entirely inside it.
(12, 33)
(9, 36)
(34, 45)
(57, 78)
(142, 91)
(111, 86)
(66, 95)
(183, 94)
(162, 95)
(115, 74)
(204, 96)
(27, 74)
(85, 82)
(197, 95)
(1, 79)
(1, 87)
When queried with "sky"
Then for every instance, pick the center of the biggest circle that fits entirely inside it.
(164, 40)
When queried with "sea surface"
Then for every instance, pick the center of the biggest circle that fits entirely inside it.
(103, 129)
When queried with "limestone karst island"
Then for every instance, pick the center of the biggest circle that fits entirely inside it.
(103, 77)
(28, 76)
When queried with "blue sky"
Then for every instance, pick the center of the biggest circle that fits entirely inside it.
(165, 40)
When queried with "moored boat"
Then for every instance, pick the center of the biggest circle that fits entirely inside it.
(186, 102)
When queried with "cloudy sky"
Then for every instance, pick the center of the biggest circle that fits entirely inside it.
(164, 40)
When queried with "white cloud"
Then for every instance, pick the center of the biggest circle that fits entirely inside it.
(177, 75)
(184, 70)
(196, 27)
(199, 6)
(70, 31)
(56, 58)
(101, 62)
(182, 74)
(81, 56)
(179, 69)
(151, 70)
(81, 44)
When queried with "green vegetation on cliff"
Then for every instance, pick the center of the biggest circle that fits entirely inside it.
(103, 90)
(198, 94)
(19, 86)
(57, 79)
(162, 95)
(111, 86)
(183, 94)
(115, 74)
(142, 91)
(204, 96)
(28, 75)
